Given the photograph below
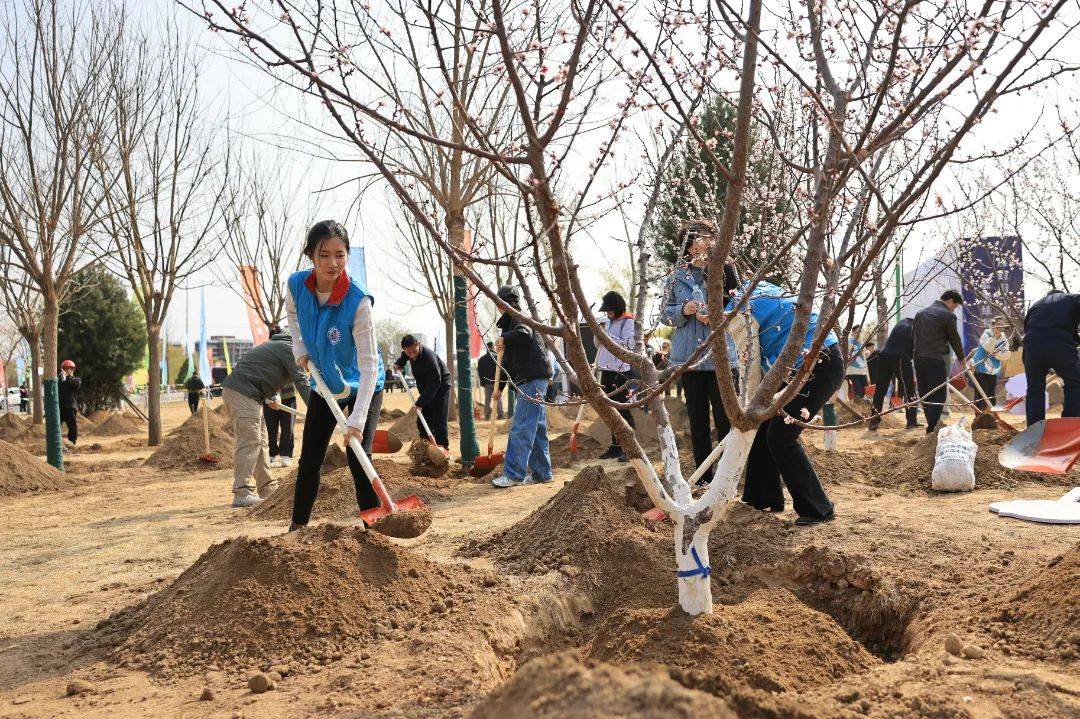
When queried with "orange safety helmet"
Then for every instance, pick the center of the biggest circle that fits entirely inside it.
(67, 363)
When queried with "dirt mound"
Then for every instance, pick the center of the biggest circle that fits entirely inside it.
(181, 449)
(771, 641)
(99, 415)
(559, 450)
(840, 466)
(115, 424)
(388, 415)
(559, 686)
(35, 443)
(404, 523)
(12, 427)
(404, 427)
(23, 473)
(916, 463)
(337, 493)
(587, 531)
(297, 600)
(557, 422)
(1041, 618)
(427, 460)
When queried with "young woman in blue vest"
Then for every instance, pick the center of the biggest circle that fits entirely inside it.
(776, 453)
(330, 317)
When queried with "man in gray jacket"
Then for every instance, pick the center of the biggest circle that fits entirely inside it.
(260, 374)
(935, 332)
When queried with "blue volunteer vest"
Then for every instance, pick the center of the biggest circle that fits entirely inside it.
(774, 311)
(327, 331)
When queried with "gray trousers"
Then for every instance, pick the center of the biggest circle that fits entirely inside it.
(251, 461)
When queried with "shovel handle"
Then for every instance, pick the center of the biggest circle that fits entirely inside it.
(354, 445)
(498, 376)
(419, 413)
(206, 425)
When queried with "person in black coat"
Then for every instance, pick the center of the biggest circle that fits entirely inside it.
(433, 384)
(194, 387)
(485, 370)
(69, 399)
(1050, 343)
(934, 333)
(894, 361)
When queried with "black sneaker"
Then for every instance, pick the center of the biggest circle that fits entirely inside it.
(873, 424)
(612, 452)
(809, 521)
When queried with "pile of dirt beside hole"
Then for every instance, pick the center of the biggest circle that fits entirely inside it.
(388, 415)
(23, 473)
(12, 427)
(912, 468)
(297, 600)
(182, 447)
(559, 453)
(840, 466)
(770, 641)
(115, 424)
(559, 686)
(1041, 618)
(33, 441)
(337, 493)
(404, 427)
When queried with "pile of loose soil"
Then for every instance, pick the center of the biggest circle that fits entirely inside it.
(587, 531)
(33, 441)
(404, 427)
(557, 422)
(588, 449)
(115, 424)
(295, 600)
(337, 493)
(388, 415)
(771, 641)
(912, 469)
(1041, 618)
(23, 473)
(839, 466)
(644, 428)
(559, 686)
(99, 415)
(181, 449)
(427, 460)
(12, 427)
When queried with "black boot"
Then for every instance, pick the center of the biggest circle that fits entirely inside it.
(612, 452)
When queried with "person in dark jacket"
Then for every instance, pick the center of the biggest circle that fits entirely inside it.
(69, 399)
(894, 361)
(1050, 343)
(934, 332)
(485, 370)
(525, 360)
(194, 387)
(433, 383)
(872, 354)
(256, 378)
(24, 398)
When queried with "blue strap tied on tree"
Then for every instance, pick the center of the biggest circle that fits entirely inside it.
(700, 570)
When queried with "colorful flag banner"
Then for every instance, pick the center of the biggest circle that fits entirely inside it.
(358, 265)
(253, 301)
(225, 351)
(204, 348)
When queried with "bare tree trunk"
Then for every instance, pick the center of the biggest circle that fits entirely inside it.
(37, 402)
(50, 322)
(153, 387)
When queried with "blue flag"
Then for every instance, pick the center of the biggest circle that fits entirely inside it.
(358, 265)
(204, 359)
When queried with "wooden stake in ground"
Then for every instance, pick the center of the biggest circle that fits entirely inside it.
(207, 455)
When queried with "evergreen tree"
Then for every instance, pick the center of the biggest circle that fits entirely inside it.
(104, 334)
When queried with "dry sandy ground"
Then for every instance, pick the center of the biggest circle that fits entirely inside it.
(69, 559)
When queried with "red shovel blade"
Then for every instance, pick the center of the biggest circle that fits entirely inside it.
(385, 442)
(1052, 445)
(370, 516)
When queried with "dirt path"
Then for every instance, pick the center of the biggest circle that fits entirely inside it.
(70, 559)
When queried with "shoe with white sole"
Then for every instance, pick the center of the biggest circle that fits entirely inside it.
(286, 461)
(275, 461)
(245, 500)
(504, 482)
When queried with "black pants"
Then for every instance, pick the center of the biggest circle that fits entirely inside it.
(69, 416)
(437, 413)
(193, 401)
(1062, 358)
(319, 426)
(988, 382)
(777, 454)
(929, 373)
(857, 385)
(890, 366)
(279, 428)
(702, 395)
(611, 381)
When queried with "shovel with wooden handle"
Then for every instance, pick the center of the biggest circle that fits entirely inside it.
(207, 456)
(485, 464)
(420, 414)
(989, 411)
(387, 505)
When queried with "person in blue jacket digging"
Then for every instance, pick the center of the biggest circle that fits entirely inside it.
(776, 454)
(330, 319)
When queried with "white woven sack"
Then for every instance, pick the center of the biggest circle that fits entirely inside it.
(954, 460)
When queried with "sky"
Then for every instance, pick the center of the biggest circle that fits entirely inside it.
(276, 118)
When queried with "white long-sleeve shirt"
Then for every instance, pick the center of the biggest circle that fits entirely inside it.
(363, 333)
